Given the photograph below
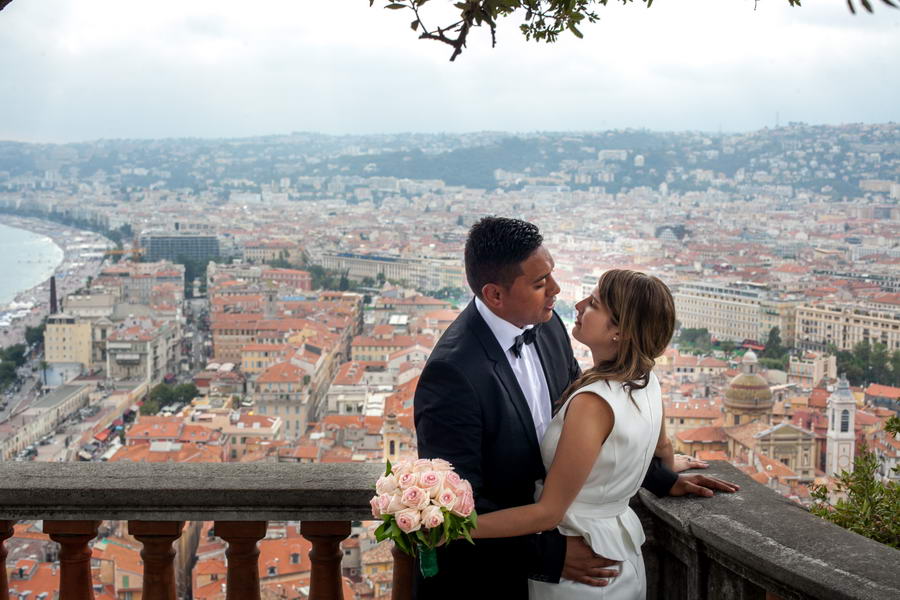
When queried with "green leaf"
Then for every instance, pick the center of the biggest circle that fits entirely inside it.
(403, 543)
(414, 25)
(395, 6)
(474, 518)
(575, 31)
(387, 470)
(420, 535)
(447, 529)
(380, 532)
(466, 534)
(395, 531)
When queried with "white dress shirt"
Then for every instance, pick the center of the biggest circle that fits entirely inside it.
(527, 368)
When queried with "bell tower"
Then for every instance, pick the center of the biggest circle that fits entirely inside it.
(391, 434)
(841, 438)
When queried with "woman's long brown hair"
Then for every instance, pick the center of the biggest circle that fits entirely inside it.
(641, 306)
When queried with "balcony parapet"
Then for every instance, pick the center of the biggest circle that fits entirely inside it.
(156, 499)
(187, 491)
(756, 544)
(751, 545)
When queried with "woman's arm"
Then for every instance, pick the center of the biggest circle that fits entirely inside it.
(664, 449)
(588, 421)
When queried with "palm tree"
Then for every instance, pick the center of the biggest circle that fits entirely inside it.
(44, 365)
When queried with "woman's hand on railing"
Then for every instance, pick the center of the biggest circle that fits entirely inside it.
(683, 462)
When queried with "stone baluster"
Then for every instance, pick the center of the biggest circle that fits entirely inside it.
(243, 557)
(159, 556)
(404, 564)
(74, 556)
(325, 582)
(6, 532)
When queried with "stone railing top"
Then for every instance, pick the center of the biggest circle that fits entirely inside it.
(779, 544)
(187, 491)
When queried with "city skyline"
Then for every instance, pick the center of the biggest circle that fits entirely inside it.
(213, 70)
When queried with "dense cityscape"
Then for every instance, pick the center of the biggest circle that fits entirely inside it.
(275, 299)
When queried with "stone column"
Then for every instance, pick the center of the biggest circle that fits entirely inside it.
(74, 557)
(401, 588)
(6, 532)
(243, 557)
(159, 571)
(325, 582)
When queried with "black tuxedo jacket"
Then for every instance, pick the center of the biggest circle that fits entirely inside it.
(470, 410)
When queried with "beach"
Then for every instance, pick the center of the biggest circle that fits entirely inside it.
(81, 257)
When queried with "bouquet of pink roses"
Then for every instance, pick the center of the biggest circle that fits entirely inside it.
(423, 504)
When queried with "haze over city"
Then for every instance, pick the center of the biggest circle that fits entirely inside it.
(232, 243)
(108, 69)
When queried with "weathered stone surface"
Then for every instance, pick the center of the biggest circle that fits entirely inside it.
(190, 491)
(769, 542)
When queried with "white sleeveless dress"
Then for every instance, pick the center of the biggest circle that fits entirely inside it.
(600, 513)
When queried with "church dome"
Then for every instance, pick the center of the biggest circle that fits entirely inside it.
(749, 389)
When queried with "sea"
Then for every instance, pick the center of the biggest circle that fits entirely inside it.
(26, 260)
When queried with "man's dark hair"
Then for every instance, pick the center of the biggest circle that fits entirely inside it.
(495, 249)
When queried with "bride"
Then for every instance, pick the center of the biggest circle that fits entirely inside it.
(600, 443)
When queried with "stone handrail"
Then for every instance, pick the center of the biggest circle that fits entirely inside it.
(757, 544)
(156, 499)
(187, 491)
(751, 545)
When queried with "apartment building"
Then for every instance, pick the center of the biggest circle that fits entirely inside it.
(421, 273)
(67, 340)
(175, 247)
(811, 368)
(820, 325)
(136, 282)
(142, 348)
(736, 311)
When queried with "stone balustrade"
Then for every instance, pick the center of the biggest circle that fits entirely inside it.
(757, 545)
(156, 499)
(746, 546)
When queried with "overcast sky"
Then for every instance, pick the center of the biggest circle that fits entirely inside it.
(72, 71)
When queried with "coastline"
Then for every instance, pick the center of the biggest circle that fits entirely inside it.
(82, 257)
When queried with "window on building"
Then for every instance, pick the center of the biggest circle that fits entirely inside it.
(845, 421)
(737, 419)
(295, 558)
(273, 571)
(392, 447)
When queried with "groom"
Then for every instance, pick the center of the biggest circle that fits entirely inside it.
(483, 402)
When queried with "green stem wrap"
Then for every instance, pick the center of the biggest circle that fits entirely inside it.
(428, 564)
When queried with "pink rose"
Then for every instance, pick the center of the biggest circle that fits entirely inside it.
(432, 517)
(407, 480)
(465, 506)
(465, 486)
(446, 498)
(390, 504)
(386, 484)
(401, 467)
(415, 497)
(408, 520)
(452, 480)
(439, 464)
(376, 507)
(431, 481)
(423, 464)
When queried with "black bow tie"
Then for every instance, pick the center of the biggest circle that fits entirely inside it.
(522, 339)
